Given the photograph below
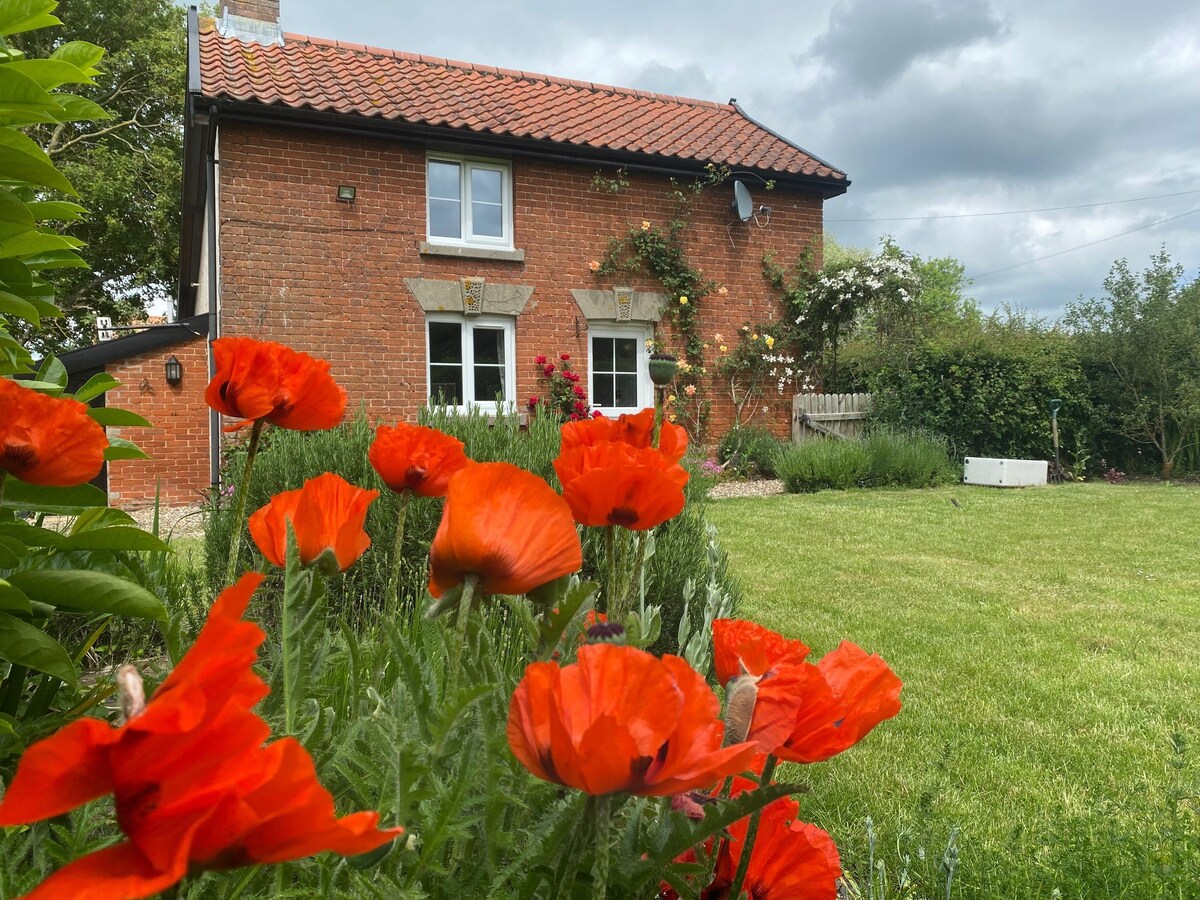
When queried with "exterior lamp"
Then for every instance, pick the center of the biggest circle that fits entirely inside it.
(345, 193)
(174, 371)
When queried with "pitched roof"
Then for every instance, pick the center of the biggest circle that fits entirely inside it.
(354, 80)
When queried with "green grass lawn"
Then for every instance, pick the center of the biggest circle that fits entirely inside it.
(1049, 642)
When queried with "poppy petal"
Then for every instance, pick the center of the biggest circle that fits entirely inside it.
(61, 772)
(119, 872)
(740, 645)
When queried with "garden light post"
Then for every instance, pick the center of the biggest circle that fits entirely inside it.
(1055, 405)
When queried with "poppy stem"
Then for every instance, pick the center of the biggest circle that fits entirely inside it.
(470, 583)
(735, 891)
(3, 478)
(603, 819)
(393, 590)
(633, 588)
(240, 507)
(611, 601)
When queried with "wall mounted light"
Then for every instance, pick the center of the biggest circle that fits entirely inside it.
(174, 371)
(345, 193)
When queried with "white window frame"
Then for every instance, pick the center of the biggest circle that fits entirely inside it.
(465, 165)
(645, 388)
(468, 356)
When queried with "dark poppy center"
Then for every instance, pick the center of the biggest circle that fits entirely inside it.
(623, 516)
(415, 476)
(16, 457)
(134, 807)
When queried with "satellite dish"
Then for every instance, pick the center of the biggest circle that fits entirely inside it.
(743, 205)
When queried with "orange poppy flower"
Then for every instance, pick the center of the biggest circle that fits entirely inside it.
(327, 515)
(265, 381)
(804, 712)
(612, 483)
(506, 526)
(46, 440)
(847, 694)
(415, 458)
(194, 785)
(621, 719)
(790, 859)
(635, 429)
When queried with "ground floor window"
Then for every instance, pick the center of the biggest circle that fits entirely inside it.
(620, 374)
(470, 361)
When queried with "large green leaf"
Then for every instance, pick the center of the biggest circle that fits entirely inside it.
(94, 387)
(37, 243)
(111, 415)
(24, 645)
(12, 599)
(49, 73)
(53, 371)
(80, 109)
(11, 551)
(57, 210)
(23, 101)
(119, 448)
(82, 590)
(15, 215)
(23, 160)
(30, 535)
(59, 501)
(117, 537)
(12, 305)
(82, 54)
(57, 259)
(17, 16)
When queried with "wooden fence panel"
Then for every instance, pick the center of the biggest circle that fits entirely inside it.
(842, 416)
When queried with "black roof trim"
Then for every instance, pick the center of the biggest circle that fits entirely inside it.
(153, 338)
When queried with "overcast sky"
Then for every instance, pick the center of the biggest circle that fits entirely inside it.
(933, 108)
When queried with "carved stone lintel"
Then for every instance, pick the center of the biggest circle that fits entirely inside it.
(444, 295)
(472, 295)
(644, 306)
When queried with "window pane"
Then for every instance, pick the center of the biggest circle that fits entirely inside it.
(626, 354)
(602, 354)
(445, 384)
(489, 346)
(489, 381)
(626, 390)
(445, 342)
(486, 186)
(443, 180)
(445, 218)
(602, 390)
(487, 219)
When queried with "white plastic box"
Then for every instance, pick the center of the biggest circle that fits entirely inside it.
(1005, 472)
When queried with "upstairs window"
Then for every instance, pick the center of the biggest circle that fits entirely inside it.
(468, 202)
(471, 361)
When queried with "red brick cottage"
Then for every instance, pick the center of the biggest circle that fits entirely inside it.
(428, 227)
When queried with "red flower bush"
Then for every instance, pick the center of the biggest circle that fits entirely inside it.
(565, 398)
(620, 719)
(50, 441)
(194, 784)
(327, 516)
(415, 458)
(268, 382)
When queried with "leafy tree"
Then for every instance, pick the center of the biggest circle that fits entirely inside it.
(127, 165)
(1143, 339)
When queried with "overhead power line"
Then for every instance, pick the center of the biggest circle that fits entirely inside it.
(1018, 212)
(1111, 237)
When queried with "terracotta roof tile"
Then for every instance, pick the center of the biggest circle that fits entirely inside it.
(336, 76)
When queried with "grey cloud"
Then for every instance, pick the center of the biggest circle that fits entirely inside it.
(871, 42)
(681, 81)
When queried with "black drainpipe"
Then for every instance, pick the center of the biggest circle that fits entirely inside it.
(214, 418)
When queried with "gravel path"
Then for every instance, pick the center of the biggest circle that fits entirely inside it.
(764, 487)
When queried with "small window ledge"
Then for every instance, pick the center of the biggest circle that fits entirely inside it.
(428, 249)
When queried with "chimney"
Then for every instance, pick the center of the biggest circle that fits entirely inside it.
(251, 20)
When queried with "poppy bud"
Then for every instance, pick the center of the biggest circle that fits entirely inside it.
(131, 692)
(741, 693)
(605, 633)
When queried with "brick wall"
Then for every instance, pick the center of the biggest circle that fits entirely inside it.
(327, 277)
(263, 10)
(178, 442)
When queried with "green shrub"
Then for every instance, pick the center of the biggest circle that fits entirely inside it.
(749, 451)
(823, 463)
(909, 458)
(287, 459)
